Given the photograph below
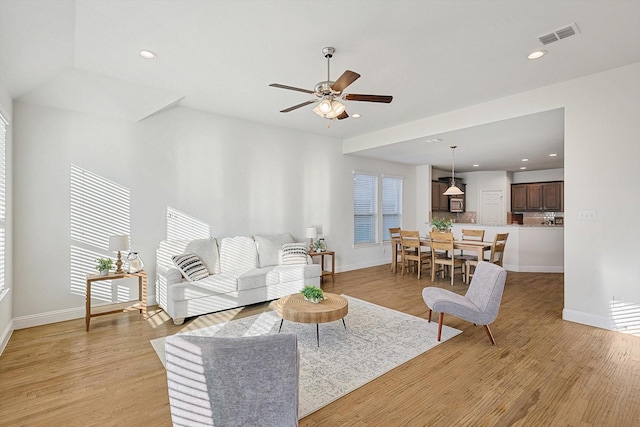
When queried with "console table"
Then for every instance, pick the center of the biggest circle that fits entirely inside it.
(332, 254)
(142, 294)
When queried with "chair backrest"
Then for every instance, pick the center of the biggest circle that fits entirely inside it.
(441, 242)
(409, 239)
(216, 381)
(475, 235)
(497, 250)
(394, 232)
(485, 290)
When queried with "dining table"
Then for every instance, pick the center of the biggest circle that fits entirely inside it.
(467, 245)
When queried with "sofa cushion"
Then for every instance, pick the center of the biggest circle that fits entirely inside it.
(291, 273)
(190, 266)
(252, 279)
(207, 251)
(237, 255)
(217, 284)
(294, 253)
(269, 247)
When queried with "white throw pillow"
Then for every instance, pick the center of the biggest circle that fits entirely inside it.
(294, 253)
(190, 266)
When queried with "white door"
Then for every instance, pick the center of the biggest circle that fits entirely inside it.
(493, 207)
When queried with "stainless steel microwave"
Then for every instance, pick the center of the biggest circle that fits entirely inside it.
(456, 205)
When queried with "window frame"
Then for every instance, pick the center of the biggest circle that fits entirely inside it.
(379, 235)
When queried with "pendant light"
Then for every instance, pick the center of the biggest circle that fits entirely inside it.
(453, 190)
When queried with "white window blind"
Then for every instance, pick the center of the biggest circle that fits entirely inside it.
(365, 208)
(391, 204)
(3, 210)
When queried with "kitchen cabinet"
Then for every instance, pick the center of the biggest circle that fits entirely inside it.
(439, 202)
(537, 196)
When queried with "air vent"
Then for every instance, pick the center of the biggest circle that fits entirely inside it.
(559, 34)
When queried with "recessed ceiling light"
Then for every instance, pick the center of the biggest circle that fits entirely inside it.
(553, 155)
(523, 167)
(525, 160)
(475, 166)
(536, 54)
(147, 54)
(356, 116)
(431, 141)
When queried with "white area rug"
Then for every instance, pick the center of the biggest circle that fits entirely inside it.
(377, 339)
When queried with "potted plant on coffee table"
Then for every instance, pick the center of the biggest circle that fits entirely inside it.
(312, 294)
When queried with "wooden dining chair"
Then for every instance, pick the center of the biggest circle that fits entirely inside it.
(473, 236)
(497, 254)
(410, 242)
(396, 249)
(442, 243)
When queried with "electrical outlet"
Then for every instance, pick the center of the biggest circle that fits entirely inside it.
(587, 215)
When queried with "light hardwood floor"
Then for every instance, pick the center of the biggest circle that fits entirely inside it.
(544, 371)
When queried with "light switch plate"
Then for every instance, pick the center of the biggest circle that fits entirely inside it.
(587, 215)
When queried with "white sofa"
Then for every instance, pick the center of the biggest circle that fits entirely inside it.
(243, 270)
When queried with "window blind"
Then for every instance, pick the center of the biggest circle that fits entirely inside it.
(391, 204)
(365, 208)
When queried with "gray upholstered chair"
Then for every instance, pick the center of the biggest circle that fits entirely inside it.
(479, 305)
(243, 381)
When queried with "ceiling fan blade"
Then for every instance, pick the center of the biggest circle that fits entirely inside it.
(295, 107)
(291, 88)
(344, 115)
(345, 80)
(368, 98)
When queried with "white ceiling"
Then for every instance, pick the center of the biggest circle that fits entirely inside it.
(220, 56)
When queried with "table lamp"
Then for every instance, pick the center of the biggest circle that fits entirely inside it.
(116, 244)
(311, 234)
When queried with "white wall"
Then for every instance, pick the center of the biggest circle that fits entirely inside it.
(6, 301)
(237, 176)
(538, 176)
(601, 151)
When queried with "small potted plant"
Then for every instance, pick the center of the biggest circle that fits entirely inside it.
(104, 265)
(441, 224)
(312, 294)
(317, 246)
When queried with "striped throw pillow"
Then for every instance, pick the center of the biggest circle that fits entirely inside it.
(294, 253)
(190, 266)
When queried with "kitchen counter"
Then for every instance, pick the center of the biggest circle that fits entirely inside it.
(529, 248)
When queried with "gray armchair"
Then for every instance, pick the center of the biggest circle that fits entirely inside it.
(243, 381)
(480, 304)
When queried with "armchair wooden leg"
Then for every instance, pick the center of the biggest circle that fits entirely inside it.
(488, 331)
(429, 316)
(440, 319)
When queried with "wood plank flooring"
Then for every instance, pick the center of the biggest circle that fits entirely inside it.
(544, 371)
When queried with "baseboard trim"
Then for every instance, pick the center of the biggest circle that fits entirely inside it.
(588, 319)
(6, 335)
(40, 319)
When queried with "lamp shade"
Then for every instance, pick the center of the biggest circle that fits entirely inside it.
(311, 233)
(119, 242)
(453, 191)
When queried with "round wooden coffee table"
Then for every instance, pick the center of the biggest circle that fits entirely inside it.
(296, 309)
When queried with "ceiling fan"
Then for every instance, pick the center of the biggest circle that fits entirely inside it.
(328, 93)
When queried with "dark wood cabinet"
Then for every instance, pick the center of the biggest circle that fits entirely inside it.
(537, 196)
(518, 197)
(552, 196)
(439, 202)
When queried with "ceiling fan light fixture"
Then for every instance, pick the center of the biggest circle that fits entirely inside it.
(337, 107)
(325, 106)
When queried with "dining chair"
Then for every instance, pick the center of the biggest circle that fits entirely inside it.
(411, 253)
(473, 236)
(442, 254)
(233, 381)
(396, 249)
(497, 254)
(479, 305)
